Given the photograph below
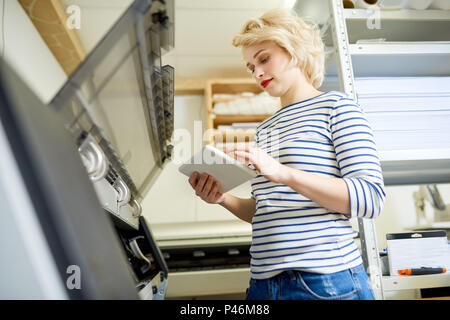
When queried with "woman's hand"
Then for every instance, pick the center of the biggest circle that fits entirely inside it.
(269, 167)
(207, 188)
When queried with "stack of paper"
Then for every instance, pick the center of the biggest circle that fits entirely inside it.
(239, 126)
(407, 113)
(258, 104)
(427, 249)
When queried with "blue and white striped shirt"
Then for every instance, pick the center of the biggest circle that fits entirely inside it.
(328, 135)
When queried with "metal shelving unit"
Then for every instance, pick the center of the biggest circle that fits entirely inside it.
(397, 59)
(417, 56)
(394, 283)
(411, 37)
(416, 25)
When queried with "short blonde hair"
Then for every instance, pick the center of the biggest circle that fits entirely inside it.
(300, 39)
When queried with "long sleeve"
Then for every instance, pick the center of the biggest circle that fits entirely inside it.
(357, 158)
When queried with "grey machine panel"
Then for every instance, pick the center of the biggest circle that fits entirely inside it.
(75, 227)
(88, 158)
(119, 105)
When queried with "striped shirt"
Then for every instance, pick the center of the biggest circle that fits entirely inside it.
(327, 135)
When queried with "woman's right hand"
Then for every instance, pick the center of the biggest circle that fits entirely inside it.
(207, 188)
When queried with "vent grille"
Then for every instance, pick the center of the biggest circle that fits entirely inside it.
(112, 175)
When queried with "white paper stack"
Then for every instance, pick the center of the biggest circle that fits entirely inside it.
(261, 103)
(427, 249)
(407, 113)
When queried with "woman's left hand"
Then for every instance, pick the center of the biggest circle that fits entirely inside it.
(263, 163)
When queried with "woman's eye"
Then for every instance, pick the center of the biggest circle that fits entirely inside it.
(262, 61)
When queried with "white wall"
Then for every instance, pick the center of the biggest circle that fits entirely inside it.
(203, 33)
(171, 198)
(28, 55)
(96, 18)
(399, 212)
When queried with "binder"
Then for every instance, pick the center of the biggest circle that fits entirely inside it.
(425, 249)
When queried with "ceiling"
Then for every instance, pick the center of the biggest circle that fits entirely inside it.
(203, 31)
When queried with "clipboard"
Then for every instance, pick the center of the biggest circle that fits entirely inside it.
(429, 249)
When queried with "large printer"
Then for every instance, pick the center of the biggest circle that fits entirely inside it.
(73, 173)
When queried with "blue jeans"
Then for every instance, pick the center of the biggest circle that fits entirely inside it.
(350, 284)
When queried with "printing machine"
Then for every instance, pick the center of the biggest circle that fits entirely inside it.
(206, 258)
(73, 173)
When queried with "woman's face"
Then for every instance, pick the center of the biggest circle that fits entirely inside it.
(271, 68)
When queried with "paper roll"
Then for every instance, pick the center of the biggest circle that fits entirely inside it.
(418, 4)
(440, 4)
(365, 4)
(392, 4)
(348, 4)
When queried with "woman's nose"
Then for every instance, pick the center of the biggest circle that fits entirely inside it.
(259, 73)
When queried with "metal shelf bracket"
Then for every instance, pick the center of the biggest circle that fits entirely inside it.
(367, 229)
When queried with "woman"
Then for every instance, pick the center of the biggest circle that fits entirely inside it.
(318, 167)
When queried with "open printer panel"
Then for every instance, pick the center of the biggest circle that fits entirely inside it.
(118, 104)
(57, 242)
(117, 112)
(145, 261)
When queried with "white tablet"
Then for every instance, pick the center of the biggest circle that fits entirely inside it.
(224, 168)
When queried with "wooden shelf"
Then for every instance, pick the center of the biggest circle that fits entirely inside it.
(190, 86)
(227, 99)
(233, 85)
(197, 85)
(238, 135)
(230, 86)
(226, 119)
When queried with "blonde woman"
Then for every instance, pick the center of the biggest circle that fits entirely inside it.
(317, 166)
